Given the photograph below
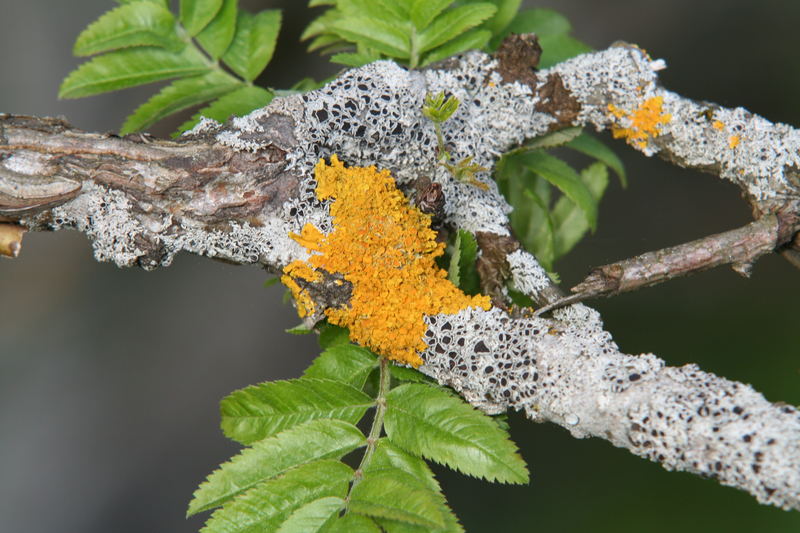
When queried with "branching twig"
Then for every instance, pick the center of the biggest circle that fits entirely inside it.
(236, 191)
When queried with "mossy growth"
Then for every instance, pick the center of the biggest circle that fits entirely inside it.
(386, 249)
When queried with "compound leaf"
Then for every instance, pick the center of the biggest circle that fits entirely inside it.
(351, 523)
(217, 36)
(238, 102)
(313, 516)
(424, 11)
(568, 220)
(305, 443)
(196, 14)
(453, 23)
(560, 174)
(383, 37)
(430, 422)
(396, 495)
(179, 95)
(269, 504)
(254, 43)
(259, 411)
(346, 363)
(591, 146)
(130, 67)
(135, 24)
(472, 40)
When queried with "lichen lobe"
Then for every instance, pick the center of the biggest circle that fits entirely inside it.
(386, 249)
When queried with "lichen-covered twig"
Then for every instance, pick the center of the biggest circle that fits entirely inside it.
(238, 190)
(739, 248)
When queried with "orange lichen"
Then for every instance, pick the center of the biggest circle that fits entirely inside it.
(386, 249)
(733, 141)
(718, 125)
(644, 122)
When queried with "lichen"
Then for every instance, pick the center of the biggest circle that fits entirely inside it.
(642, 124)
(386, 249)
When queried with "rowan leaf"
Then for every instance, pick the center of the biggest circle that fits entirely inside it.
(217, 36)
(346, 363)
(178, 95)
(383, 37)
(331, 335)
(558, 48)
(568, 220)
(134, 24)
(254, 43)
(593, 147)
(352, 523)
(130, 67)
(259, 411)
(305, 443)
(236, 103)
(563, 176)
(396, 495)
(472, 40)
(453, 23)
(196, 14)
(423, 12)
(434, 424)
(542, 22)
(313, 516)
(266, 506)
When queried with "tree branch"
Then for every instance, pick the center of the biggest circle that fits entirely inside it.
(236, 191)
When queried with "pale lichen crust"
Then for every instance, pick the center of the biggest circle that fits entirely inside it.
(386, 249)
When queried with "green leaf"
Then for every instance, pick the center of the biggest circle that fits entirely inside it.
(345, 363)
(388, 457)
(269, 504)
(130, 67)
(305, 443)
(542, 22)
(471, 40)
(355, 59)
(568, 220)
(454, 270)
(424, 11)
(300, 329)
(453, 23)
(218, 35)
(470, 281)
(566, 179)
(239, 102)
(593, 147)
(550, 140)
(179, 95)
(558, 48)
(396, 495)
(196, 14)
(263, 410)
(537, 232)
(380, 36)
(137, 24)
(254, 43)
(331, 335)
(506, 10)
(351, 523)
(403, 373)
(313, 516)
(428, 421)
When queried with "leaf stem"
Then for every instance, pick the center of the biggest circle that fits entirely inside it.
(377, 423)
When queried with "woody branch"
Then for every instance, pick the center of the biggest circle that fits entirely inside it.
(236, 191)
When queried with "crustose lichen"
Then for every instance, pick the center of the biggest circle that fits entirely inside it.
(386, 249)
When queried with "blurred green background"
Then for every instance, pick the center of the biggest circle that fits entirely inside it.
(110, 379)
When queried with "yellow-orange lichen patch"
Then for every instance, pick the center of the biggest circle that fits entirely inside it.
(733, 141)
(386, 249)
(718, 125)
(643, 123)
